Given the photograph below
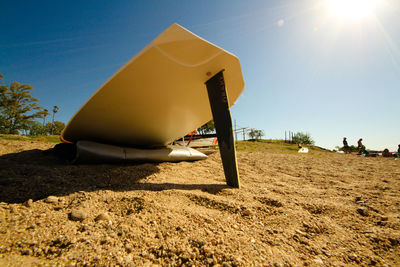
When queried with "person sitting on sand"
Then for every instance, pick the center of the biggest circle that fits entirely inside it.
(360, 145)
(361, 149)
(346, 147)
(386, 153)
(397, 155)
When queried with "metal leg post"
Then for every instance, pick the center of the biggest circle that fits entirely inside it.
(223, 125)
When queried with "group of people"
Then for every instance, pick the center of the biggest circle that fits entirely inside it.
(360, 147)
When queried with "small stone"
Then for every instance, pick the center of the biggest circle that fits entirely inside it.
(129, 248)
(206, 250)
(317, 260)
(51, 199)
(353, 257)
(300, 232)
(246, 212)
(362, 211)
(77, 215)
(26, 252)
(143, 254)
(83, 228)
(102, 217)
(13, 209)
(29, 203)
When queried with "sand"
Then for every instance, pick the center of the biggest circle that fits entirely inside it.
(320, 208)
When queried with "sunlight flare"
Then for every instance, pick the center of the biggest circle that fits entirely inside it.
(352, 9)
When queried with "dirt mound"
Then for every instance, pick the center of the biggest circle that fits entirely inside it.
(292, 209)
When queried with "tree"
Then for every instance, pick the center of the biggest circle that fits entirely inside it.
(55, 110)
(17, 107)
(303, 138)
(57, 127)
(209, 127)
(35, 128)
(256, 134)
(44, 114)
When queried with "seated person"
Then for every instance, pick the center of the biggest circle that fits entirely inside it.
(386, 153)
(346, 147)
(359, 146)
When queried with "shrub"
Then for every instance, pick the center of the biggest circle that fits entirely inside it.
(303, 138)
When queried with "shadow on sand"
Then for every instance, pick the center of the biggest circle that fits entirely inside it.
(37, 174)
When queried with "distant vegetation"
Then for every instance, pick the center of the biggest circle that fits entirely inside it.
(274, 146)
(303, 138)
(256, 134)
(20, 112)
(46, 139)
(207, 128)
(350, 149)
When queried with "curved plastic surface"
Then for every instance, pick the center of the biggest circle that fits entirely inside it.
(159, 95)
(92, 152)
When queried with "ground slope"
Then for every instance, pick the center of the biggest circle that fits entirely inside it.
(292, 209)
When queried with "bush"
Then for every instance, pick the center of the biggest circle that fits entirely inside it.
(303, 138)
(256, 134)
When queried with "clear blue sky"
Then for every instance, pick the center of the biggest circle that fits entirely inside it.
(307, 66)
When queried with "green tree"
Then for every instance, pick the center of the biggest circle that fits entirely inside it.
(256, 134)
(55, 110)
(209, 127)
(35, 128)
(43, 114)
(55, 128)
(303, 138)
(17, 107)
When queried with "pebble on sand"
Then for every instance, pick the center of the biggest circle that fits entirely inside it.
(51, 199)
(318, 261)
(362, 211)
(29, 203)
(102, 217)
(77, 215)
(247, 212)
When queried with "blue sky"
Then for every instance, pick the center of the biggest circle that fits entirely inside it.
(306, 68)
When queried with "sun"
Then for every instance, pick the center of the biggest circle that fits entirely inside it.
(352, 9)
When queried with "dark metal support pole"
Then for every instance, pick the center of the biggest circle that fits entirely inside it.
(235, 132)
(223, 126)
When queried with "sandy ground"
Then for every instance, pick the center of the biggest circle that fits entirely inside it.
(292, 210)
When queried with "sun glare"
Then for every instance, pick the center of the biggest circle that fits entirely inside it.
(352, 9)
